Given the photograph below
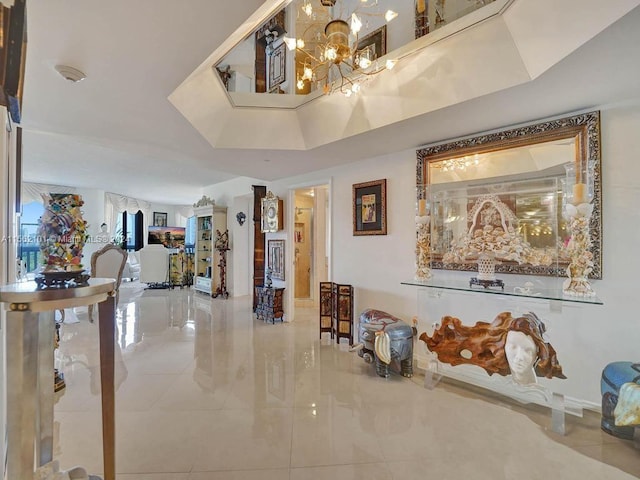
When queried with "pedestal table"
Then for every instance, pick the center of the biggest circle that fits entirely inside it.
(29, 363)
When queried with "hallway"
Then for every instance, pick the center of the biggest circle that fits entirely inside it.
(205, 392)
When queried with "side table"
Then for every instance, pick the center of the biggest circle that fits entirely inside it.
(29, 363)
(269, 304)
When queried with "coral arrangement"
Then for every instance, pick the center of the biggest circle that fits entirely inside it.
(493, 236)
(495, 241)
(486, 344)
(423, 271)
(62, 233)
(579, 250)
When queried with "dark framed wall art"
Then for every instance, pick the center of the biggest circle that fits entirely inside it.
(370, 208)
(277, 70)
(159, 219)
(375, 43)
(276, 258)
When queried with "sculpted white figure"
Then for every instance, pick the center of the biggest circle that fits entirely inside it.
(522, 353)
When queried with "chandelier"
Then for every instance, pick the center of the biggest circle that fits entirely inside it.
(460, 164)
(329, 57)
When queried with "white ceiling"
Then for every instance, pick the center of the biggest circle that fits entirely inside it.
(117, 131)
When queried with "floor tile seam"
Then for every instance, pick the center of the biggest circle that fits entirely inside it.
(262, 469)
(339, 464)
(359, 464)
(293, 421)
(258, 408)
(118, 473)
(168, 411)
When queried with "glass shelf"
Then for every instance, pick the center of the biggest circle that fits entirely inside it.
(546, 289)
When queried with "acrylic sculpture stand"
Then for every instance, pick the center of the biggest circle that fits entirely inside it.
(434, 373)
(423, 246)
(30, 327)
(579, 251)
(435, 303)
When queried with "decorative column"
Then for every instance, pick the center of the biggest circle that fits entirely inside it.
(577, 211)
(423, 237)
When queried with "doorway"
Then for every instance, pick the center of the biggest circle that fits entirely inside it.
(310, 256)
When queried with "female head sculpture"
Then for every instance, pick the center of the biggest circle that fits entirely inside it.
(505, 346)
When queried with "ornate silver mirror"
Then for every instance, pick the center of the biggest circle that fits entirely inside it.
(529, 171)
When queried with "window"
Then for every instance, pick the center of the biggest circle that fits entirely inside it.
(129, 227)
(28, 245)
(190, 234)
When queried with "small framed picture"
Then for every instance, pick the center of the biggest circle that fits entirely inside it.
(277, 72)
(276, 258)
(159, 219)
(373, 46)
(370, 208)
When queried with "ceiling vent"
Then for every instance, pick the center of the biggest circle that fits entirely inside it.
(70, 73)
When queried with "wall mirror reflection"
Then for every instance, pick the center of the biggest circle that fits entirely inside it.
(505, 193)
(311, 47)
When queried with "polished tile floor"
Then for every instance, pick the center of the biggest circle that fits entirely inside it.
(206, 392)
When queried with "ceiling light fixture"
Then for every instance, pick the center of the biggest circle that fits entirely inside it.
(336, 62)
(462, 164)
(70, 73)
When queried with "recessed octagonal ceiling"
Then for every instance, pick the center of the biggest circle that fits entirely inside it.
(504, 44)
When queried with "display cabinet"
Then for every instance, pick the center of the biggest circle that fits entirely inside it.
(209, 218)
(270, 304)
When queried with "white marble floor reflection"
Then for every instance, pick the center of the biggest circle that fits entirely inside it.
(206, 392)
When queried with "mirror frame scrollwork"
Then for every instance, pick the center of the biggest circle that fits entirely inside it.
(584, 128)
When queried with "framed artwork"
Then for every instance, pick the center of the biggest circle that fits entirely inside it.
(276, 258)
(375, 42)
(159, 219)
(370, 208)
(277, 66)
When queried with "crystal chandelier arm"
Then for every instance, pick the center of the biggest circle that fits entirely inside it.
(312, 57)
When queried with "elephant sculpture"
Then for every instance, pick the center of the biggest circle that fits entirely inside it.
(387, 340)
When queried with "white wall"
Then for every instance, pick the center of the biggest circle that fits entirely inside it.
(241, 254)
(586, 339)
(93, 214)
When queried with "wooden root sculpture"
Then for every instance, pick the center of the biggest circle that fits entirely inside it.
(485, 345)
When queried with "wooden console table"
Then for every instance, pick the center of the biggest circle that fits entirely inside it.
(269, 304)
(29, 364)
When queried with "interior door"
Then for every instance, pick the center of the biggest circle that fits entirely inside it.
(303, 248)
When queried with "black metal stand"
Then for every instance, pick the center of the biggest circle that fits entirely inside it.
(63, 279)
(486, 283)
(221, 291)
